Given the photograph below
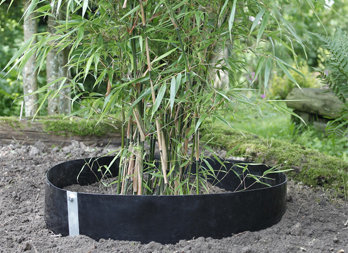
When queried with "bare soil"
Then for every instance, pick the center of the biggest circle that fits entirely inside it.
(314, 222)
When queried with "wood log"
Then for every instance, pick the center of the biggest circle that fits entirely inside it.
(28, 132)
(320, 102)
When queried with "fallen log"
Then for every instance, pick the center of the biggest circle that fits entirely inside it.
(59, 131)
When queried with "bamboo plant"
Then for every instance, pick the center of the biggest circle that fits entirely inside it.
(155, 60)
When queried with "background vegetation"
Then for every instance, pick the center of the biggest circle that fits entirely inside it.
(259, 80)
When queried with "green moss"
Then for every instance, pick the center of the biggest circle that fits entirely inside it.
(79, 127)
(59, 125)
(12, 122)
(309, 166)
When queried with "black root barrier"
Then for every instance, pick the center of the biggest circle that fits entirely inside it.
(164, 219)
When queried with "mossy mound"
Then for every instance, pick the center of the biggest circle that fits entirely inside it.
(309, 166)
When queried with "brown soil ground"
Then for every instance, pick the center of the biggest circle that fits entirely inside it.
(314, 221)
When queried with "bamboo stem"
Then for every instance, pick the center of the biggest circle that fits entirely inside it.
(197, 153)
(140, 124)
(124, 4)
(135, 177)
(163, 151)
(122, 128)
(139, 162)
(124, 175)
(160, 137)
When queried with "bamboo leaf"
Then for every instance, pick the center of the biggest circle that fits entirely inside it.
(262, 27)
(80, 35)
(267, 72)
(13, 60)
(164, 55)
(137, 80)
(172, 92)
(96, 61)
(144, 94)
(223, 120)
(231, 19)
(44, 8)
(178, 82)
(256, 21)
(259, 67)
(30, 9)
(223, 95)
(199, 122)
(130, 12)
(223, 9)
(88, 65)
(285, 70)
(58, 6)
(84, 7)
(159, 98)
(100, 77)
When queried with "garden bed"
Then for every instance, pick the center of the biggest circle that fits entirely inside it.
(314, 221)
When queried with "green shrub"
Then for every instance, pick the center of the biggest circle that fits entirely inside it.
(281, 86)
(10, 90)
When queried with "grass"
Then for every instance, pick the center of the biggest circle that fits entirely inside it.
(271, 123)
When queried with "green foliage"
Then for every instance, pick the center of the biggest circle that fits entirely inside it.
(11, 34)
(156, 60)
(281, 86)
(11, 31)
(10, 91)
(335, 76)
(314, 16)
(336, 63)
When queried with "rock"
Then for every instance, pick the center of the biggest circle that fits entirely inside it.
(152, 246)
(289, 198)
(40, 146)
(55, 150)
(296, 229)
(75, 144)
(34, 151)
(335, 240)
(246, 249)
(315, 101)
(83, 146)
(27, 247)
(67, 149)
(340, 251)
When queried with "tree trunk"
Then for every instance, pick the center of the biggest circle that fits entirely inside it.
(56, 68)
(52, 70)
(65, 93)
(29, 72)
